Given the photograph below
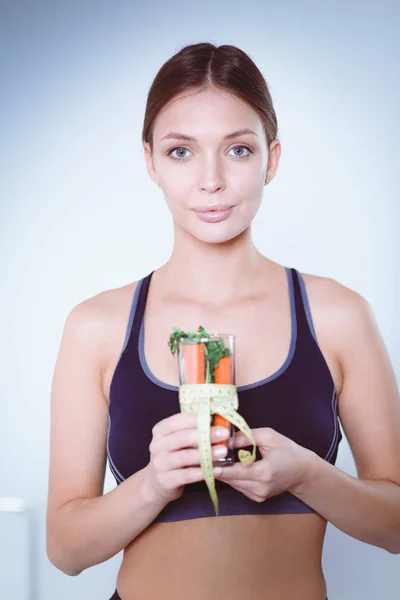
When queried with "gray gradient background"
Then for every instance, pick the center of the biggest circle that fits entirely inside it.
(77, 208)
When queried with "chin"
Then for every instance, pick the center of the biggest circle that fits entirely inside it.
(214, 235)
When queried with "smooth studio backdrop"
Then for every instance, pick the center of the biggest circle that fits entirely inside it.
(79, 214)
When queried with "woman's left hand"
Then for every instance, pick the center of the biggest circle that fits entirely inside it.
(283, 465)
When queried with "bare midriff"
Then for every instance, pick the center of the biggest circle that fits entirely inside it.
(251, 557)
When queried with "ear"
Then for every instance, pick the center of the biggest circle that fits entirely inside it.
(273, 159)
(149, 162)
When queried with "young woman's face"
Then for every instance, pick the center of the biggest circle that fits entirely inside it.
(211, 169)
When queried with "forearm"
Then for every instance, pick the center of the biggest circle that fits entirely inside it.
(88, 531)
(368, 510)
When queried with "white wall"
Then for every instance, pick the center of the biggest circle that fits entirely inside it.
(77, 207)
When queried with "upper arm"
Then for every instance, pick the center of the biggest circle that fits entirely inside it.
(368, 404)
(79, 416)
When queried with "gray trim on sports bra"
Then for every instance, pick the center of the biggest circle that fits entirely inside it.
(306, 305)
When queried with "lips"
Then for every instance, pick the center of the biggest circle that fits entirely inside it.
(212, 207)
(214, 216)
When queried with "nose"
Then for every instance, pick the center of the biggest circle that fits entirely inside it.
(211, 186)
(211, 179)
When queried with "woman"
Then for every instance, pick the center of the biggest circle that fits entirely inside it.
(307, 349)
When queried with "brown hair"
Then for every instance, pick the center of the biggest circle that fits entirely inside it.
(203, 65)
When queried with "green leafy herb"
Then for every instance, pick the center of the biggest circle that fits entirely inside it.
(213, 349)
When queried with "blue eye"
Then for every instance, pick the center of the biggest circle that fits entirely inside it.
(245, 155)
(180, 148)
(177, 157)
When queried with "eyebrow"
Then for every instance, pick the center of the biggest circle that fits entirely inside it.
(181, 136)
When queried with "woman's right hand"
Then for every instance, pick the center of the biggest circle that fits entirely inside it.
(175, 457)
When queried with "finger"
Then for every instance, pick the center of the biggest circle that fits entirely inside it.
(185, 458)
(183, 476)
(241, 440)
(237, 471)
(187, 438)
(176, 422)
(262, 436)
(245, 485)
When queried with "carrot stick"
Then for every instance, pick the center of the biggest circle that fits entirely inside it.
(222, 374)
(194, 363)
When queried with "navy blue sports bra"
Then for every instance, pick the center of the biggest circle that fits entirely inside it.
(299, 400)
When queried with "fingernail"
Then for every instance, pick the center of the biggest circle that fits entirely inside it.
(220, 451)
(222, 432)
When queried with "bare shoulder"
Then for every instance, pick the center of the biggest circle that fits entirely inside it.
(340, 308)
(329, 293)
(102, 307)
(349, 322)
(340, 317)
(352, 321)
(101, 320)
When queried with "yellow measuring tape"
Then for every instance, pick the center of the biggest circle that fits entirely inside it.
(207, 399)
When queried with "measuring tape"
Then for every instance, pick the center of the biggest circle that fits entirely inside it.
(207, 399)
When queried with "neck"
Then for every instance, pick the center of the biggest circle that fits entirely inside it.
(213, 272)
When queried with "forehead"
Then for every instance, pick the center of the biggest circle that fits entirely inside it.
(206, 113)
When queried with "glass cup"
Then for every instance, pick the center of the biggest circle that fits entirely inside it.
(200, 361)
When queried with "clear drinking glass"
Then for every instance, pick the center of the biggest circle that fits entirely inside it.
(200, 361)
